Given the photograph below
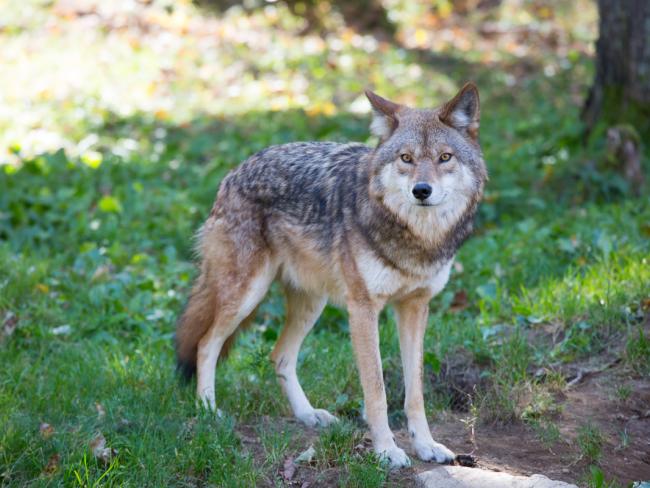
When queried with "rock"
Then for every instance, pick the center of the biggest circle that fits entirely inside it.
(461, 477)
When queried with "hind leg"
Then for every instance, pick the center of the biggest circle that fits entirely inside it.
(238, 297)
(302, 311)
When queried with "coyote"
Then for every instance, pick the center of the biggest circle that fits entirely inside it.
(359, 226)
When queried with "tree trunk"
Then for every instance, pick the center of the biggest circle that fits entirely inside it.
(621, 90)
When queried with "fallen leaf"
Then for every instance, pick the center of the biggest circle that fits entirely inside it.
(363, 446)
(46, 430)
(459, 302)
(42, 288)
(9, 325)
(52, 464)
(100, 451)
(62, 330)
(288, 469)
(306, 456)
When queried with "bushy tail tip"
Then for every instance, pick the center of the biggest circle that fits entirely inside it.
(185, 369)
(192, 325)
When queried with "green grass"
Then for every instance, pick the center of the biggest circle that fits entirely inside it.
(638, 352)
(596, 479)
(96, 235)
(590, 441)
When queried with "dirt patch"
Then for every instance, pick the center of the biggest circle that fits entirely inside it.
(619, 406)
(611, 402)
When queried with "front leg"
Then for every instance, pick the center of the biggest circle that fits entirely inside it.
(365, 342)
(412, 316)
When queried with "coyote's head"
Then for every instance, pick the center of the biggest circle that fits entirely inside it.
(428, 166)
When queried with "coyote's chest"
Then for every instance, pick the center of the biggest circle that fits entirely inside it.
(383, 280)
(306, 270)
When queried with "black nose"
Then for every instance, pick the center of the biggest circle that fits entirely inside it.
(422, 191)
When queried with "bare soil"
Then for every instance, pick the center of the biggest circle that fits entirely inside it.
(516, 448)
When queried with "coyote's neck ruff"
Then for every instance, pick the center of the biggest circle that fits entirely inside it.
(359, 226)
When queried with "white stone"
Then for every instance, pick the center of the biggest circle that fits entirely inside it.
(462, 477)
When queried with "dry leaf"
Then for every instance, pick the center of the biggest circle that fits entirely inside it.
(288, 469)
(459, 302)
(100, 451)
(62, 330)
(306, 456)
(100, 410)
(46, 430)
(361, 447)
(9, 325)
(52, 464)
(43, 288)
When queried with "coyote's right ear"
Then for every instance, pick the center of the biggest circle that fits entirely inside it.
(463, 111)
(384, 119)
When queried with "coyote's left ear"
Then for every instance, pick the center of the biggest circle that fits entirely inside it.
(463, 111)
(384, 119)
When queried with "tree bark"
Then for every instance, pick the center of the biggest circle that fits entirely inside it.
(621, 90)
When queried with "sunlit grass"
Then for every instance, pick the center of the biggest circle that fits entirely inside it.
(610, 290)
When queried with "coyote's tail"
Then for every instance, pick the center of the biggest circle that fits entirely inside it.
(198, 316)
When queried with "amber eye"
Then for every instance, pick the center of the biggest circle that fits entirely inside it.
(406, 158)
(444, 157)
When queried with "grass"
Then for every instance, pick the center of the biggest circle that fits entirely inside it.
(590, 441)
(103, 183)
(638, 352)
(596, 479)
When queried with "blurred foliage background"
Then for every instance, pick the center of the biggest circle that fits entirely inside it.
(71, 67)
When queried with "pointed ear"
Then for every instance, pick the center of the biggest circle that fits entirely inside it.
(384, 120)
(463, 111)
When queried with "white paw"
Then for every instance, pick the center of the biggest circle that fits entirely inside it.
(317, 418)
(395, 457)
(433, 451)
(211, 408)
(208, 403)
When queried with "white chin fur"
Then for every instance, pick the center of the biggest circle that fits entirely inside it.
(429, 220)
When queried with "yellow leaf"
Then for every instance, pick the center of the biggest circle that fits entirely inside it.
(42, 288)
